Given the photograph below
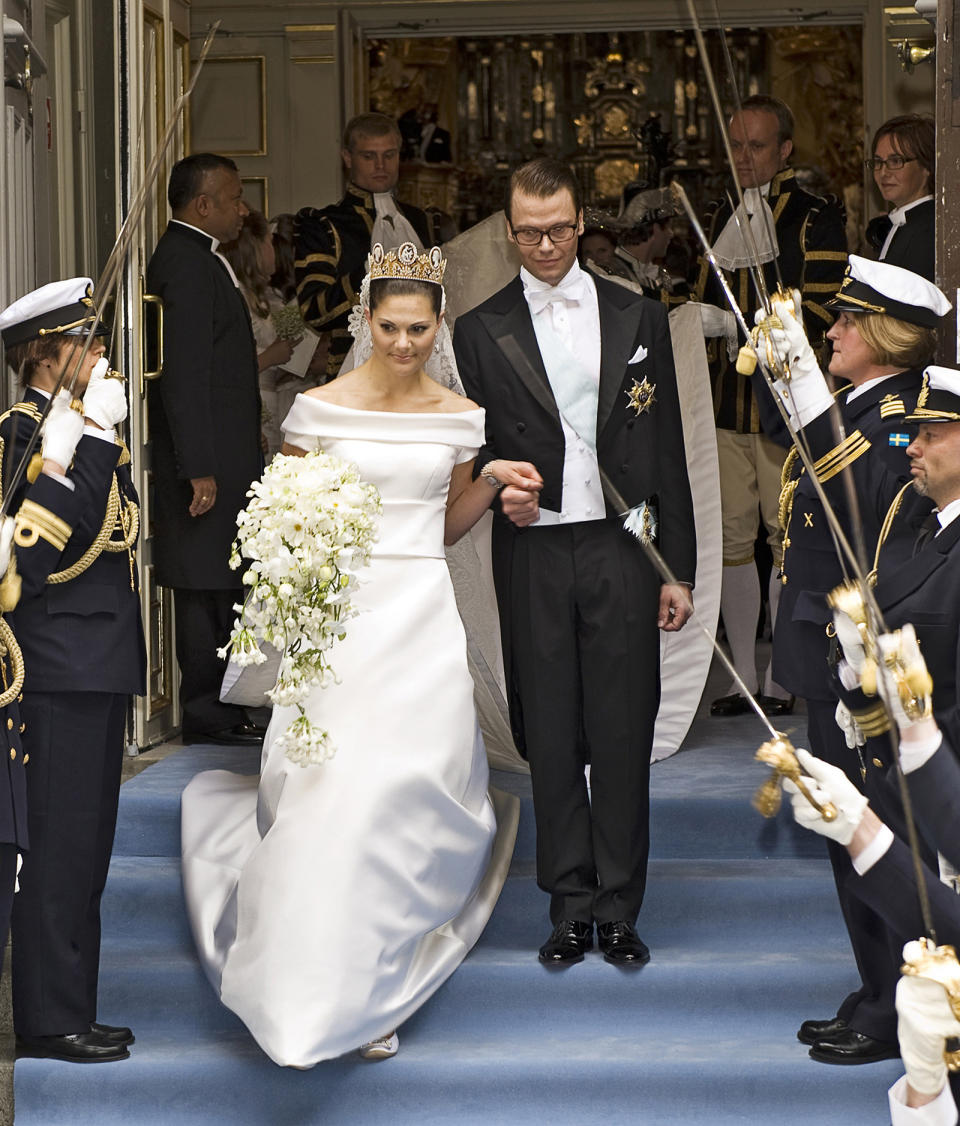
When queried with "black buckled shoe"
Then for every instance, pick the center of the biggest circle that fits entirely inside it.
(80, 1047)
(118, 1034)
(734, 704)
(813, 1030)
(568, 942)
(774, 706)
(621, 945)
(240, 735)
(851, 1047)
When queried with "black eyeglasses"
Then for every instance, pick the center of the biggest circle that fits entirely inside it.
(894, 162)
(533, 236)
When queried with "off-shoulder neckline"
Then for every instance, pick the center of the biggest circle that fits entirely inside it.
(394, 414)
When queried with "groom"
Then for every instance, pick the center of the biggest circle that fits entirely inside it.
(576, 376)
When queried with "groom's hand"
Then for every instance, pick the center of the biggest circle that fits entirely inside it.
(676, 605)
(520, 498)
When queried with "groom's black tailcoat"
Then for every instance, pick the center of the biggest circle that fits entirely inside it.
(578, 602)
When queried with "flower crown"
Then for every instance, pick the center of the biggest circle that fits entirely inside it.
(406, 262)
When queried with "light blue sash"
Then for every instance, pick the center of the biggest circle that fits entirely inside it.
(575, 392)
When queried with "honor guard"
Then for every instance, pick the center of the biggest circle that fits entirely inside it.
(75, 519)
(883, 335)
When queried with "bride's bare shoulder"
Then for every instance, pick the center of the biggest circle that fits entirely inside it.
(452, 403)
(338, 390)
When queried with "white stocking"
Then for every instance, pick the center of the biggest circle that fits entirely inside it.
(740, 606)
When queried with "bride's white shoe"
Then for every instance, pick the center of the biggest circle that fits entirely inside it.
(381, 1049)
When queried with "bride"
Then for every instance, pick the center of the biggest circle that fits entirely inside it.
(328, 902)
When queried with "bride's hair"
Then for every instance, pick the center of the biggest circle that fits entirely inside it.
(405, 287)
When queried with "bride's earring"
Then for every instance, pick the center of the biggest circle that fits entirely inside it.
(436, 343)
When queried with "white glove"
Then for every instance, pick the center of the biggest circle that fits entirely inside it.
(719, 322)
(62, 430)
(851, 642)
(849, 726)
(7, 528)
(806, 395)
(827, 784)
(105, 400)
(902, 647)
(924, 1021)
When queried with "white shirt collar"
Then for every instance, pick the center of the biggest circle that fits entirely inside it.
(871, 383)
(949, 513)
(530, 282)
(897, 214)
(214, 242)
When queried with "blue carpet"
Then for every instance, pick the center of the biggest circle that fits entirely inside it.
(740, 915)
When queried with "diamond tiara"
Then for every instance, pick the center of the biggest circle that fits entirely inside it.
(406, 262)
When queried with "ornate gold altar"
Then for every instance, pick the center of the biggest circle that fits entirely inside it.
(620, 107)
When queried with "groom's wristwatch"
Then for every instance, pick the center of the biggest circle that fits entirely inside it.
(487, 474)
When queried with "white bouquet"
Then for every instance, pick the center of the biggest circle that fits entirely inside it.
(307, 532)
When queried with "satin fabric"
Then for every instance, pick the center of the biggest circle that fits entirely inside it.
(329, 902)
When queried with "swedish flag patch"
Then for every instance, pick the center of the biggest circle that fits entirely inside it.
(898, 439)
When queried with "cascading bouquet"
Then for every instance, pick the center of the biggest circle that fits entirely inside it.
(307, 531)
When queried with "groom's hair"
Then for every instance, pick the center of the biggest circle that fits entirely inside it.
(542, 178)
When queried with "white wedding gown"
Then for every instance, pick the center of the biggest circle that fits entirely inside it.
(330, 901)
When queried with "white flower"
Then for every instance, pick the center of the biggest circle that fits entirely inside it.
(309, 527)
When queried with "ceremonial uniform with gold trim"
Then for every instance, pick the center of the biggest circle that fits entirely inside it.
(332, 244)
(83, 649)
(877, 432)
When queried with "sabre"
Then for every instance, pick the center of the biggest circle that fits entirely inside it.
(110, 275)
(778, 751)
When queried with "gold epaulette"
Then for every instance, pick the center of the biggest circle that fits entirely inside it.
(891, 406)
(853, 446)
(34, 414)
(124, 452)
(873, 720)
(34, 522)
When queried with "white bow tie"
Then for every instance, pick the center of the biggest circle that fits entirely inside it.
(898, 216)
(570, 291)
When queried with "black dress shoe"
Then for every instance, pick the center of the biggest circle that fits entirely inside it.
(117, 1034)
(241, 734)
(734, 704)
(621, 945)
(80, 1047)
(776, 705)
(568, 942)
(813, 1030)
(853, 1047)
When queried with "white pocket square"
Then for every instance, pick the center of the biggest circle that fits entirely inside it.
(640, 354)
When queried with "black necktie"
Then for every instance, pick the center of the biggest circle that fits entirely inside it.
(928, 529)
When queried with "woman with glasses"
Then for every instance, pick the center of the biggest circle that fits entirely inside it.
(903, 169)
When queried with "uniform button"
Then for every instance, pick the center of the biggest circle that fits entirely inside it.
(9, 724)
(783, 580)
(13, 753)
(521, 426)
(23, 727)
(877, 762)
(26, 759)
(20, 698)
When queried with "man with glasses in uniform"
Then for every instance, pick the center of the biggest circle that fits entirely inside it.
(576, 375)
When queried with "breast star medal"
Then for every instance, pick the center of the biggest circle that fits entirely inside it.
(640, 396)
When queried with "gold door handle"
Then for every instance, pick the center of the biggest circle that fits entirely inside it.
(151, 299)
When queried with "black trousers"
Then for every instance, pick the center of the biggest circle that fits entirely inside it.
(8, 881)
(204, 621)
(585, 658)
(876, 948)
(75, 742)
